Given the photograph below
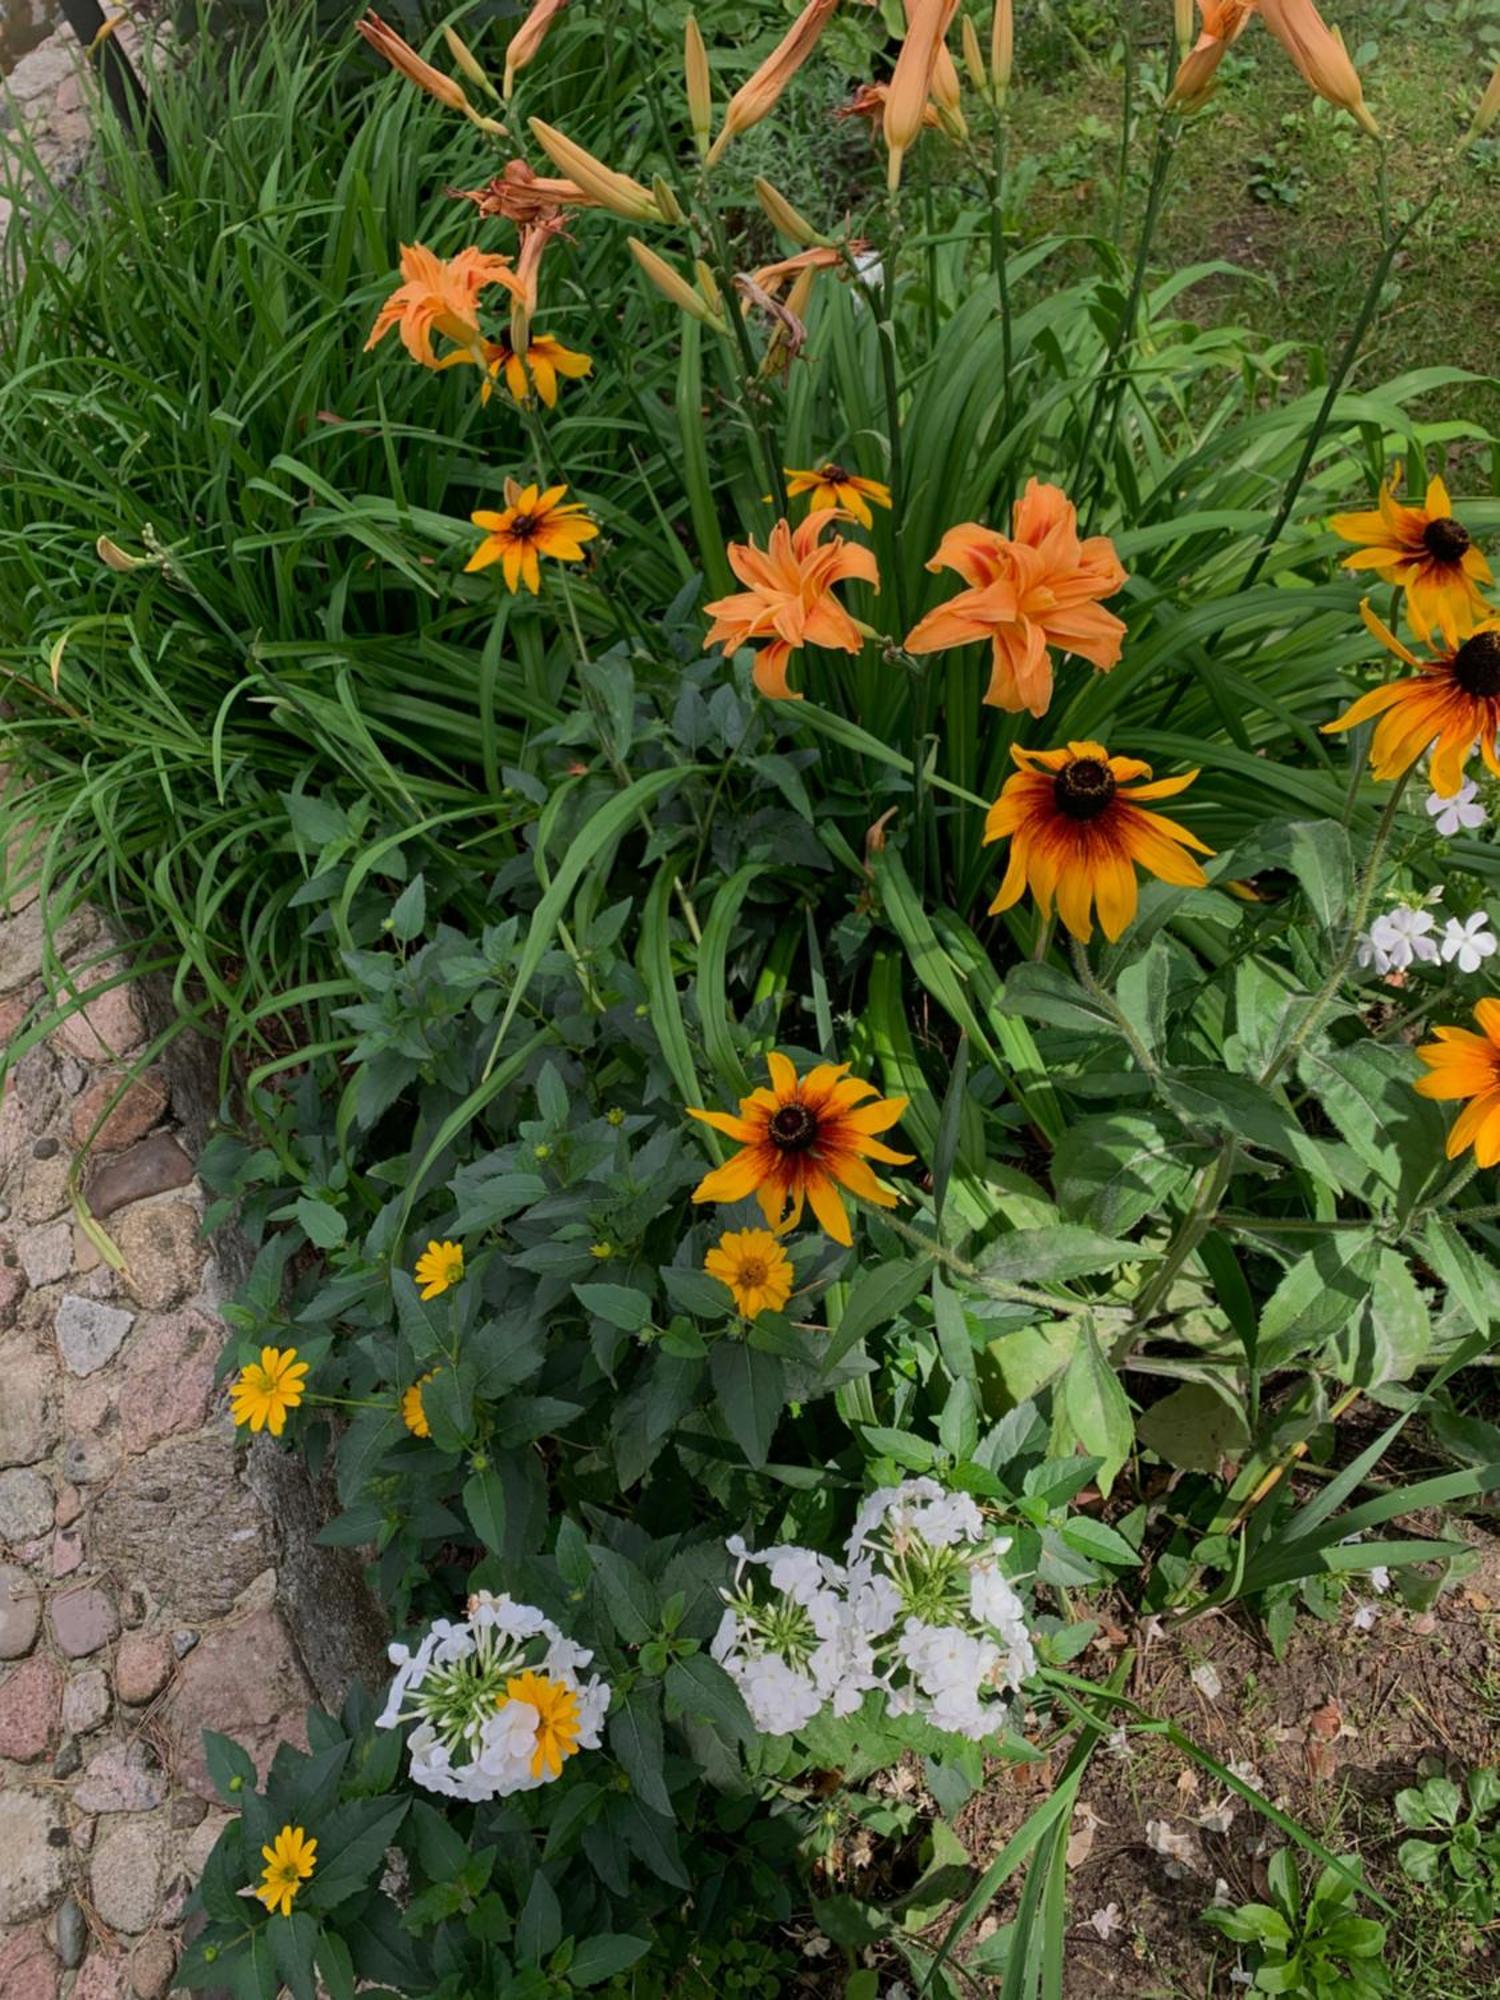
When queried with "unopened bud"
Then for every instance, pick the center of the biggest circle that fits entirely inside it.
(708, 284)
(979, 76)
(1183, 20)
(700, 97)
(666, 202)
(1489, 107)
(1002, 46)
(785, 218)
(114, 557)
(672, 285)
(617, 192)
(467, 61)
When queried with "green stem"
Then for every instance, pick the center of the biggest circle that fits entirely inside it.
(1144, 1060)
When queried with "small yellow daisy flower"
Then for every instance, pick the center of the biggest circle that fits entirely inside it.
(557, 1727)
(440, 1266)
(265, 1390)
(754, 1267)
(412, 1413)
(288, 1864)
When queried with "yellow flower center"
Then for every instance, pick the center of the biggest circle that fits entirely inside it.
(1446, 539)
(1476, 666)
(1084, 788)
(793, 1128)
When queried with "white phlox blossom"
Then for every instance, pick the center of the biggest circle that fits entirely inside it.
(920, 1610)
(499, 1701)
(1400, 938)
(1460, 814)
(1468, 941)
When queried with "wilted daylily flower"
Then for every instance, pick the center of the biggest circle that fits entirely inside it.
(1079, 825)
(520, 196)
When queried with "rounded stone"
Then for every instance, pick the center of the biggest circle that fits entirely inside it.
(125, 1877)
(70, 1932)
(25, 1505)
(143, 1666)
(151, 1966)
(20, 1612)
(31, 1866)
(30, 1697)
(86, 1702)
(28, 1967)
(28, 1410)
(82, 1621)
(164, 1251)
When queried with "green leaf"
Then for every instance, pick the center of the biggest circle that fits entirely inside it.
(635, 1738)
(604, 1955)
(1113, 1172)
(1387, 1340)
(352, 1842)
(1195, 1427)
(1066, 1250)
(698, 1685)
(1240, 1109)
(484, 1503)
(231, 1768)
(621, 1305)
(876, 1295)
(1142, 990)
(410, 911)
(321, 1222)
(1089, 1408)
(1029, 1358)
(1317, 1296)
(294, 1940)
(539, 1926)
(750, 1387)
(1042, 993)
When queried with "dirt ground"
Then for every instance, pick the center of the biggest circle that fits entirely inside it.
(1330, 1734)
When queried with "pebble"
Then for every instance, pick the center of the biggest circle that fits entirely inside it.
(119, 1779)
(88, 1333)
(82, 1621)
(183, 1642)
(86, 1702)
(31, 1865)
(30, 1697)
(125, 1877)
(20, 1612)
(69, 1758)
(151, 1966)
(25, 1505)
(28, 1410)
(70, 1933)
(143, 1666)
(152, 1166)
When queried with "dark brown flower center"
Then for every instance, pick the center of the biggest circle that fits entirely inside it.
(833, 474)
(793, 1128)
(1084, 788)
(1476, 666)
(524, 526)
(752, 1272)
(1446, 539)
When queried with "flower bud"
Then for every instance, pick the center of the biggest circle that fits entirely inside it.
(1183, 21)
(672, 285)
(114, 557)
(403, 57)
(700, 98)
(758, 94)
(617, 192)
(665, 200)
(467, 61)
(708, 284)
(912, 80)
(784, 218)
(528, 38)
(1319, 53)
(974, 57)
(1489, 107)
(1002, 47)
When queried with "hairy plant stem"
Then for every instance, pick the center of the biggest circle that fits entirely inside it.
(1216, 1176)
(1393, 240)
(996, 1287)
(1100, 993)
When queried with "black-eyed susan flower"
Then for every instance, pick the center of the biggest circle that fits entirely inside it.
(1452, 705)
(1463, 1064)
(265, 1390)
(539, 366)
(1427, 552)
(413, 1415)
(1079, 827)
(290, 1860)
(558, 1723)
(788, 599)
(535, 523)
(802, 1140)
(832, 485)
(754, 1267)
(439, 1268)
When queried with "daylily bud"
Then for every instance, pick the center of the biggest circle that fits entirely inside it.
(529, 37)
(700, 97)
(114, 557)
(759, 92)
(1319, 53)
(1002, 46)
(912, 79)
(945, 91)
(467, 61)
(708, 284)
(403, 57)
(1184, 26)
(974, 57)
(665, 200)
(672, 285)
(784, 218)
(617, 192)
(1489, 107)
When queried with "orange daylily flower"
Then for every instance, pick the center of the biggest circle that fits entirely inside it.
(1424, 550)
(528, 38)
(1224, 21)
(534, 524)
(1463, 1064)
(788, 600)
(822, 257)
(1035, 588)
(830, 485)
(1452, 705)
(868, 102)
(758, 94)
(441, 296)
(801, 1141)
(1078, 834)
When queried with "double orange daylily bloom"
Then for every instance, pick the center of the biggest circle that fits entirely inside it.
(517, 194)
(441, 296)
(788, 601)
(1033, 589)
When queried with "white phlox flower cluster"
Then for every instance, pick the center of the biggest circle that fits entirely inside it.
(498, 1698)
(919, 1608)
(1405, 937)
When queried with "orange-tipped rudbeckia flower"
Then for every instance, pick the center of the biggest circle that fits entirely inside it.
(540, 363)
(788, 600)
(534, 524)
(1078, 825)
(1451, 706)
(1424, 550)
(1035, 588)
(1463, 1064)
(441, 296)
(832, 486)
(801, 1141)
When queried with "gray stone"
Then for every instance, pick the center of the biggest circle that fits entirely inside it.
(125, 1877)
(188, 1811)
(46, 1253)
(152, 1964)
(44, 1187)
(152, 1166)
(82, 1621)
(28, 1410)
(86, 1701)
(164, 1251)
(202, 1841)
(25, 1505)
(121, 1779)
(179, 1523)
(89, 1334)
(20, 1612)
(88, 1460)
(183, 1641)
(13, 1286)
(70, 1932)
(244, 1680)
(31, 1865)
(68, 1759)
